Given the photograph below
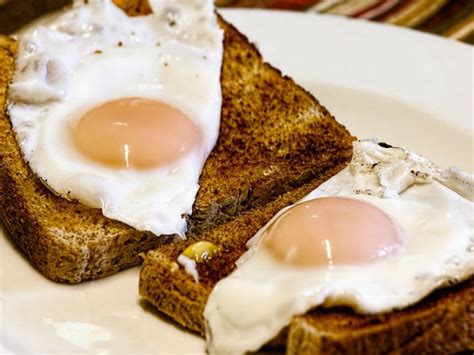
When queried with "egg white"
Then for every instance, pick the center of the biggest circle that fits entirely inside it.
(250, 306)
(94, 53)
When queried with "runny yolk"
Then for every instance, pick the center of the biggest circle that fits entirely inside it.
(135, 132)
(330, 231)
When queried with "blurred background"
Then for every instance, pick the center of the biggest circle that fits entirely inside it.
(449, 18)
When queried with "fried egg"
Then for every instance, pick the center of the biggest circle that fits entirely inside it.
(379, 236)
(118, 112)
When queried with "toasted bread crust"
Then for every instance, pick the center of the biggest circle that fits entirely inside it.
(65, 240)
(441, 323)
(280, 148)
(273, 135)
(175, 293)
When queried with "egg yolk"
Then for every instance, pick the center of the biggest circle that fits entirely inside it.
(330, 231)
(135, 132)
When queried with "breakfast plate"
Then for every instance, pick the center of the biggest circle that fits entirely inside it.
(404, 87)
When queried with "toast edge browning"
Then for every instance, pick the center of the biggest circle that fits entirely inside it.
(83, 254)
(58, 248)
(441, 323)
(336, 141)
(448, 327)
(175, 293)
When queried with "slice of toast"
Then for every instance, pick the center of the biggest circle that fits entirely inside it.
(441, 323)
(274, 137)
(175, 293)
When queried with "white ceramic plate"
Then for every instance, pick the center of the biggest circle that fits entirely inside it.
(408, 88)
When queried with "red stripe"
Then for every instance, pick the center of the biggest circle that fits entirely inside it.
(369, 8)
(377, 10)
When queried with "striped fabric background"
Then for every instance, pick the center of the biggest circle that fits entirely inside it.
(449, 18)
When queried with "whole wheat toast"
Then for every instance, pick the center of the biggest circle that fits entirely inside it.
(274, 137)
(441, 323)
